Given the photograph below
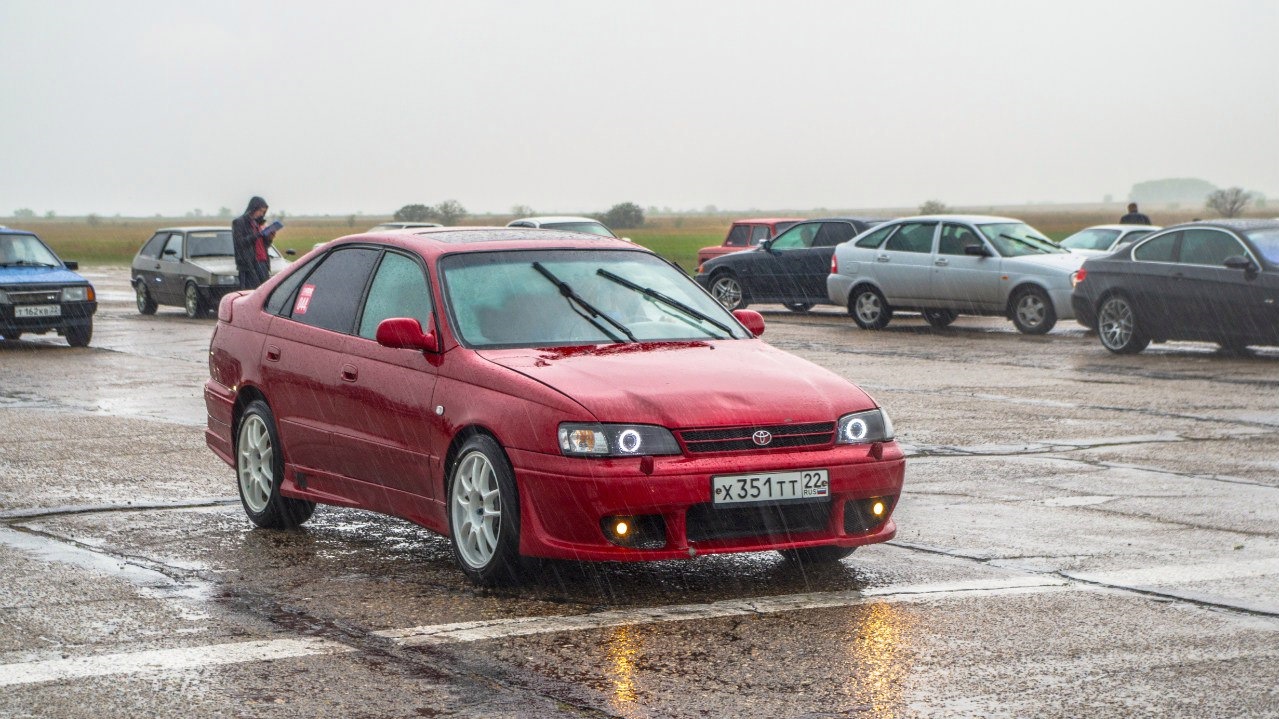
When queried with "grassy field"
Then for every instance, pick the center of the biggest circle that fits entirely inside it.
(113, 241)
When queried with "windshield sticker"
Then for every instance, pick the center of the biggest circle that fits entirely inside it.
(304, 299)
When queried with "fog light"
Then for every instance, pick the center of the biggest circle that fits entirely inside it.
(877, 509)
(643, 531)
(864, 515)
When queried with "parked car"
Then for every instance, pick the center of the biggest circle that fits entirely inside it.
(530, 396)
(392, 226)
(566, 223)
(1101, 239)
(947, 265)
(190, 267)
(745, 234)
(790, 268)
(41, 293)
(1211, 281)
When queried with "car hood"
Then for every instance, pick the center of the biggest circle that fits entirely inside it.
(689, 384)
(39, 276)
(215, 264)
(1064, 263)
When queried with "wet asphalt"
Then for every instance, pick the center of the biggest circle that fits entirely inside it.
(1080, 533)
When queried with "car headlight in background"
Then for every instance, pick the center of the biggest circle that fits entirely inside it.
(75, 294)
(615, 440)
(864, 427)
(225, 279)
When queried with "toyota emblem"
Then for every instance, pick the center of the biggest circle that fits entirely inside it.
(762, 437)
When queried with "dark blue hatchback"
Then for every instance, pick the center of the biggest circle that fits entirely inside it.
(40, 293)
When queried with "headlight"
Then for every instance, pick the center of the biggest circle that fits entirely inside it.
(225, 279)
(864, 427)
(75, 294)
(615, 440)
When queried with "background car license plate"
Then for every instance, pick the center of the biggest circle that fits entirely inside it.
(38, 311)
(770, 487)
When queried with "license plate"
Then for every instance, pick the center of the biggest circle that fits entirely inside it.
(770, 487)
(38, 311)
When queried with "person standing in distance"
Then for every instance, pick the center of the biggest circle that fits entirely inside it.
(1134, 217)
(251, 259)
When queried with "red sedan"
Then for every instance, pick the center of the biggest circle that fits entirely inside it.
(539, 394)
(745, 234)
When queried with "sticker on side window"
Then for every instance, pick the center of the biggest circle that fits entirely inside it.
(304, 299)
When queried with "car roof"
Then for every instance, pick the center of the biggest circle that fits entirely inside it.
(197, 228)
(557, 218)
(443, 240)
(1122, 227)
(1233, 224)
(845, 219)
(975, 219)
(769, 220)
(14, 231)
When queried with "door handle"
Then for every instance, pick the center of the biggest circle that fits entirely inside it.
(349, 373)
(941, 262)
(272, 353)
(881, 258)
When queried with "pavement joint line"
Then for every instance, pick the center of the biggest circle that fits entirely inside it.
(171, 660)
(463, 632)
(166, 660)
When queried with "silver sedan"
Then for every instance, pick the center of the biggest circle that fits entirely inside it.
(947, 265)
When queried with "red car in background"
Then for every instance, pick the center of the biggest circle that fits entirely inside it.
(745, 234)
(535, 393)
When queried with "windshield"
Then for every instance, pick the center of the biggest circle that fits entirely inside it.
(1267, 243)
(26, 251)
(210, 244)
(1090, 240)
(592, 228)
(545, 298)
(1014, 239)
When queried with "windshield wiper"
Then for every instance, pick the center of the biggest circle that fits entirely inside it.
(1027, 243)
(578, 304)
(25, 263)
(654, 294)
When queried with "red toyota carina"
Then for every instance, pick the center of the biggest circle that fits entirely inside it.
(534, 393)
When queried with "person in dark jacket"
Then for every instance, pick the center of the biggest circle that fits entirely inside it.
(251, 259)
(1134, 217)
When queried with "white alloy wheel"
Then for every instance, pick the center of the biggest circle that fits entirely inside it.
(255, 463)
(476, 505)
(192, 304)
(1117, 327)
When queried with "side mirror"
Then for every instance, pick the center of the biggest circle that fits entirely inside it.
(171, 252)
(1239, 262)
(405, 333)
(71, 264)
(290, 252)
(976, 250)
(751, 320)
(766, 245)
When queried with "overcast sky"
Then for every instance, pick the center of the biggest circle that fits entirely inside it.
(338, 107)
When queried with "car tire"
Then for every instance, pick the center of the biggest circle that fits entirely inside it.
(869, 308)
(727, 289)
(1118, 326)
(1032, 311)
(259, 472)
(940, 318)
(816, 555)
(798, 306)
(146, 304)
(79, 335)
(484, 513)
(192, 302)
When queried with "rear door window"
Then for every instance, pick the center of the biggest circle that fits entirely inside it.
(329, 297)
(1158, 249)
(759, 233)
(913, 237)
(833, 233)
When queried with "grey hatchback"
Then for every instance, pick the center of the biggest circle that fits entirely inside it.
(190, 267)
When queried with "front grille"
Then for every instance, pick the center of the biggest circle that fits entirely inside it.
(706, 522)
(737, 439)
(38, 297)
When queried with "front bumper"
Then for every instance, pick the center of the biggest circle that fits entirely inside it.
(565, 501)
(73, 314)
